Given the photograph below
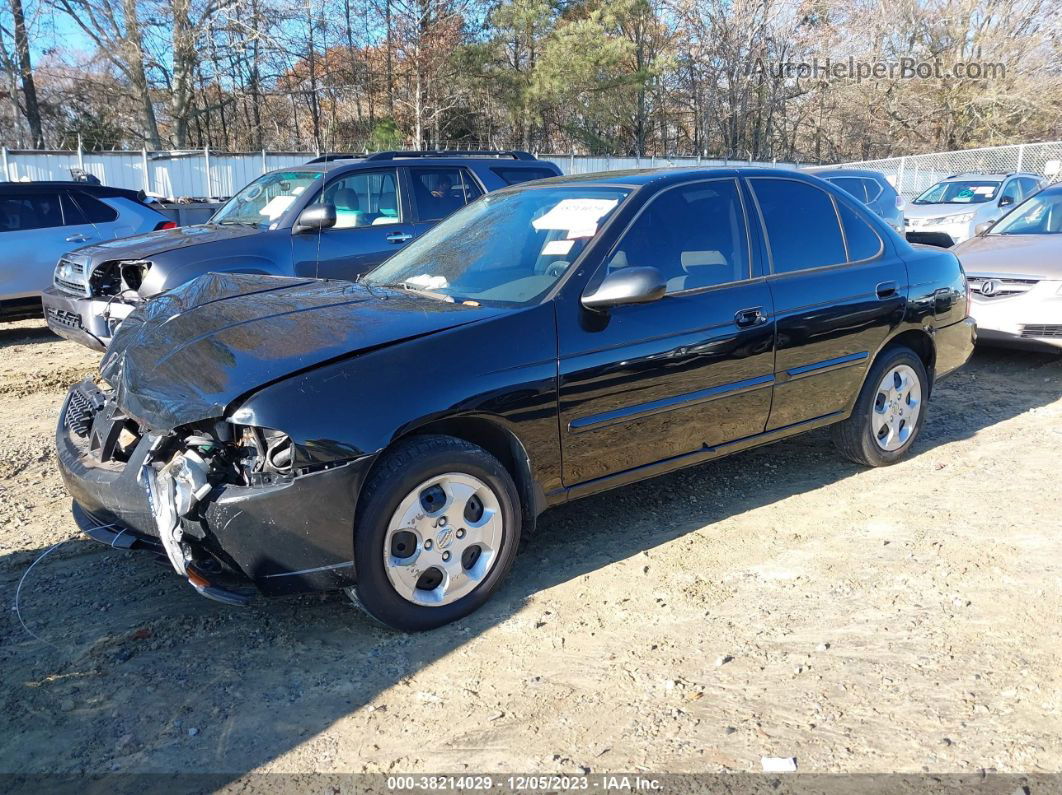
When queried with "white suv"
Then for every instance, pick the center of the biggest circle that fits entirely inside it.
(950, 211)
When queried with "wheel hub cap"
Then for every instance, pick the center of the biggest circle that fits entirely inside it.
(455, 523)
(897, 404)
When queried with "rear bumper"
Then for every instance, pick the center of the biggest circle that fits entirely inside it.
(954, 346)
(87, 321)
(289, 537)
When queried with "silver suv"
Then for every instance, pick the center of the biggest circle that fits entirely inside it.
(952, 210)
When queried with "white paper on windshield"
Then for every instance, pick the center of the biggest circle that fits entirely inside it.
(276, 206)
(428, 282)
(577, 217)
(984, 190)
(557, 248)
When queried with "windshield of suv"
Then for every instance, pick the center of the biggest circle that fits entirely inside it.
(965, 192)
(1040, 215)
(262, 202)
(505, 248)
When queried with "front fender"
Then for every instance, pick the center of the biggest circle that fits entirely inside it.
(360, 405)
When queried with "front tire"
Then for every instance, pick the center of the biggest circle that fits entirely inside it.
(436, 534)
(889, 411)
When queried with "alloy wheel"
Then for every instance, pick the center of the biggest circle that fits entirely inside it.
(443, 539)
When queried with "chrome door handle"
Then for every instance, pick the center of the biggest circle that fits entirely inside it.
(398, 237)
(77, 238)
(749, 317)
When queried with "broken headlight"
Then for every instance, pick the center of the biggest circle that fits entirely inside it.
(265, 455)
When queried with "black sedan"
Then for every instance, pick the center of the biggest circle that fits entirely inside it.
(397, 436)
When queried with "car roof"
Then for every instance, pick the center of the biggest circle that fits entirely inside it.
(52, 185)
(338, 163)
(830, 171)
(634, 178)
(997, 176)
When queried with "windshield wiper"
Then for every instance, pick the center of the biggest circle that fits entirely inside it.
(409, 288)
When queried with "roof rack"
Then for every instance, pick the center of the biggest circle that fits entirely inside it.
(983, 171)
(328, 157)
(512, 154)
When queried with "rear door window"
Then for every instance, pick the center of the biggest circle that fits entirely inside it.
(30, 211)
(365, 198)
(801, 223)
(441, 191)
(853, 185)
(873, 189)
(1029, 186)
(514, 176)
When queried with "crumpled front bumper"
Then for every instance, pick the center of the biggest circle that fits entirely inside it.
(288, 537)
(88, 321)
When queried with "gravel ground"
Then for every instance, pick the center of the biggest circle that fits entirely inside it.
(782, 602)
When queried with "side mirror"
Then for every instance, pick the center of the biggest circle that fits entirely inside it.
(1006, 201)
(983, 227)
(627, 286)
(314, 217)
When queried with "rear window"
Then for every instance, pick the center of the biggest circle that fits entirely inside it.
(514, 176)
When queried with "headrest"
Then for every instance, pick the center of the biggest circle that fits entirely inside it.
(697, 259)
(346, 199)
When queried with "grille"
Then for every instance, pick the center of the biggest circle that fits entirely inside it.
(70, 270)
(61, 317)
(79, 413)
(1042, 330)
(1000, 287)
(70, 287)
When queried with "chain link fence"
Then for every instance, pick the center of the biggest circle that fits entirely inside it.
(914, 173)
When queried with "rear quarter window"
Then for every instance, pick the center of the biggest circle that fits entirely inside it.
(863, 241)
(514, 176)
(96, 212)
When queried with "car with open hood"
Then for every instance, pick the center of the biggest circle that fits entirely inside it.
(334, 218)
(1015, 273)
(398, 435)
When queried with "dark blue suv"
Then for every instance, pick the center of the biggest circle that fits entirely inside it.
(335, 217)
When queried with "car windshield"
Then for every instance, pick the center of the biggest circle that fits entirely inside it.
(262, 202)
(1040, 215)
(965, 192)
(506, 248)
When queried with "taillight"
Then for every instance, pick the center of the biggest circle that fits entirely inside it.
(165, 225)
(899, 202)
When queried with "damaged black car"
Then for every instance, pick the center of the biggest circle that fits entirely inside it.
(396, 437)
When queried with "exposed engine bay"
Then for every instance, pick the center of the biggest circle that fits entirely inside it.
(181, 472)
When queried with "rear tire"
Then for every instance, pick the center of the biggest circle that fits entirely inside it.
(437, 531)
(889, 411)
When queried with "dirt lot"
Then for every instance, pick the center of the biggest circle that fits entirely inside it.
(782, 602)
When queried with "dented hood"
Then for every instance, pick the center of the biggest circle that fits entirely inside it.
(151, 244)
(187, 354)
